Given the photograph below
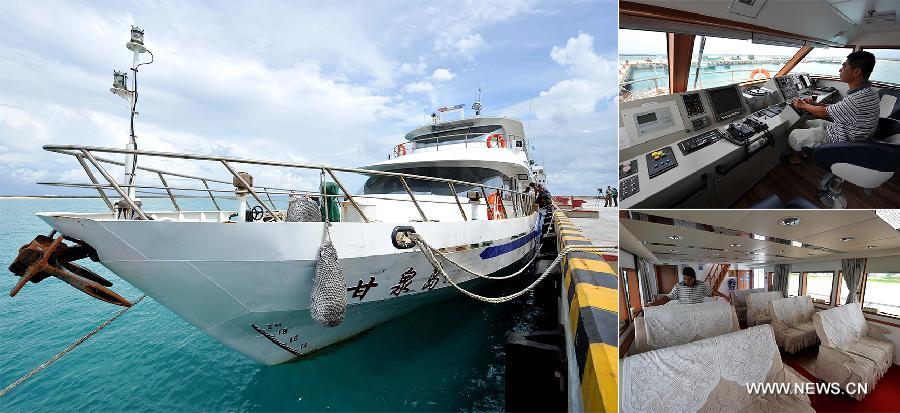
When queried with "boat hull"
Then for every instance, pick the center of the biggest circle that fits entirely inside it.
(248, 285)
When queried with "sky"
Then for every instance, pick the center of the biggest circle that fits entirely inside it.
(337, 83)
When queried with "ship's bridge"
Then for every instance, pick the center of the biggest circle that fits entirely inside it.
(479, 133)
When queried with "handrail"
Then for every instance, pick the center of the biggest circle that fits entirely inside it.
(85, 152)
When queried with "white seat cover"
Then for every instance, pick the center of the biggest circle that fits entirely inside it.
(669, 326)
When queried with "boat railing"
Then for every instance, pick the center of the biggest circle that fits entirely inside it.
(523, 203)
(475, 140)
(628, 92)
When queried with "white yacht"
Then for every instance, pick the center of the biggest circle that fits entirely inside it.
(246, 275)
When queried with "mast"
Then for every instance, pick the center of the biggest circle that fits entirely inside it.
(120, 80)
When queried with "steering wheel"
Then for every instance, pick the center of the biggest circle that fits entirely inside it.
(256, 213)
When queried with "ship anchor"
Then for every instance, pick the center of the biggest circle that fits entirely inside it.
(48, 257)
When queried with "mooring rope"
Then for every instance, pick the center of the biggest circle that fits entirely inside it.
(430, 255)
(68, 349)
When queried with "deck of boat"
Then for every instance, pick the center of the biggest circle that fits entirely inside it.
(790, 181)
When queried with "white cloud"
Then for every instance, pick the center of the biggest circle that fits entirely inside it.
(419, 87)
(590, 84)
(442, 75)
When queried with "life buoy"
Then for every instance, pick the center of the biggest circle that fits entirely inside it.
(400, 150)
(495, 203)
(760, 71)
(501, 143)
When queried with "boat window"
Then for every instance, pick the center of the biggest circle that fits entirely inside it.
(825, 62)
(392, 185)
(759, 278)
(882, 290)
(478, 133)
(794, 284)
(844, 292)
(729, 61)
(887, 66)
(643, 64)
(818, 285)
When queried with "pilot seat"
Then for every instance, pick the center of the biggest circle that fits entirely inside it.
(866, 163)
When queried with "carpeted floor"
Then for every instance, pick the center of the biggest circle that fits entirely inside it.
(884, 398)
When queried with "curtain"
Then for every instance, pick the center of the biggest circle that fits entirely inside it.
(780, 278)
(647, 274)
(853, 273)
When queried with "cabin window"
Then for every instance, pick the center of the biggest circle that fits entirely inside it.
(887, 66)
(818, 285)
(794, 284)
(729, 61)
(456, 136)
(379, 184)
(843, 292)
(825, 62)
(882, 290)
(643, 64)
(759, 278)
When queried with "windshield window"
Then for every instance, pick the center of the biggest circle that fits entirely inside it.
(472, 133)
(643, 64)
(826, 62)
(729, 61)
(887, 65)
(392, 185)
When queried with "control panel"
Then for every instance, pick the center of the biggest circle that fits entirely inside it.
(654, 120)
(660, 161)
(628, 187)
(700, 141)
(692, 104)
(628, 168)
(700, 123)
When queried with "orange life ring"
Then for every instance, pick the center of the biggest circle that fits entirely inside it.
(495, 203)
(760, 71)
(501, 143)
(400, 150)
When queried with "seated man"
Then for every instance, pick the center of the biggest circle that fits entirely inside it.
(689, 291)
(854, 117)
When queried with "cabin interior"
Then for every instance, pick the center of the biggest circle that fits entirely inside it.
(785, 274)
(701, 130)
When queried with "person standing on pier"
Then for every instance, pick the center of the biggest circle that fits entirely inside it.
(609, 196)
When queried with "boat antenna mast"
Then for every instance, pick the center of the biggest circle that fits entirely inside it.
(120, 88)
(477, 105)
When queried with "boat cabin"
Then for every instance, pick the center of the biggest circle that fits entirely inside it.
(712, 303)
(707, 103)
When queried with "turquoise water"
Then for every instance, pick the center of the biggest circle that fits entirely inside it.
(448, 356)
(885, 71)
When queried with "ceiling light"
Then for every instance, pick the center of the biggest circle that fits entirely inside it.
(674, 236)
(673, 251)
(891, 216)
(759, 237)
(845, 239)
(790, 221)
(735, 245)
(868, 247)
(796, 244)
(784, 252)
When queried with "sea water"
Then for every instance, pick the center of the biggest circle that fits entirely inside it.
(885, 71)
(445, 356)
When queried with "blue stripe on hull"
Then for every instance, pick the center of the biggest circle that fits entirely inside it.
(513, 245)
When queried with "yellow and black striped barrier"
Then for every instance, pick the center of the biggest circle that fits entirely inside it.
(590, 301)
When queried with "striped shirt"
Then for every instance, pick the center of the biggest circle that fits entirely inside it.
(690, 295)
(855, 116)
